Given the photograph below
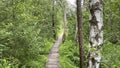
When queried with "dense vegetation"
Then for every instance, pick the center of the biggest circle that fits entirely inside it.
(26, 34)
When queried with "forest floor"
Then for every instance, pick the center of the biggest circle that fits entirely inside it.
(53, 57)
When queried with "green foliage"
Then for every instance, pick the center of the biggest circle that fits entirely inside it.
(7, 64)
(39, 63)
(4, 64)
(110, 58)
(26, 35)
(23, 27)
(69, 55)
(111, 21)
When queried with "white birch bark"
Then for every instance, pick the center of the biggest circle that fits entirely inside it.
(96, 33)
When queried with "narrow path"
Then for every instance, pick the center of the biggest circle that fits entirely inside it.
(53, 57)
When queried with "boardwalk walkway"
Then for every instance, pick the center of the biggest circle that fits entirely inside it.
(53, 57)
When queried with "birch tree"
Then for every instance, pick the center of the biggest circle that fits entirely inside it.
(96, 33)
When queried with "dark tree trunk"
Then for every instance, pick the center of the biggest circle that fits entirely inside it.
(53, 19)
(80, 33)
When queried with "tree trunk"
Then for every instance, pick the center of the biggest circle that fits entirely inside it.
(65, 20)
(80, 32)
(96, 33)
(76, 34)
(53, 20)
